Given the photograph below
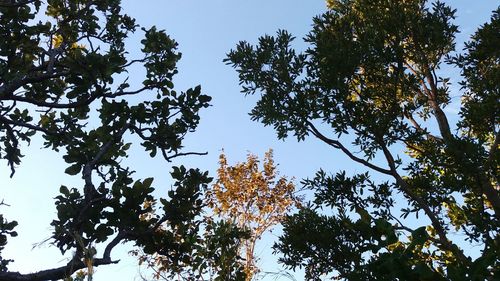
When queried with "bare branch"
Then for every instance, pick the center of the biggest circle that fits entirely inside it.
(126, 93)
(338, 145)
(169, 158)
(135, 61)
(4, 204)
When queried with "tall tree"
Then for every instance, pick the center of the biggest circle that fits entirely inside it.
(254, 200)
(371, 76)
(64, 71)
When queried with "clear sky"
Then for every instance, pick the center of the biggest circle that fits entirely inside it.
(205, 31)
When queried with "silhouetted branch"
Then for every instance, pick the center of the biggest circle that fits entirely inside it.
(419, 128)
(169, 158)
(55, 273)
(337, 144)
(25, 125)
(8, 89)
(88, 167)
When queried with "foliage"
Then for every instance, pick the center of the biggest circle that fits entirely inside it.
(213, 256)
(6, 229)
(253, 200)
(371, 76)
(64, 70)
(204, 249)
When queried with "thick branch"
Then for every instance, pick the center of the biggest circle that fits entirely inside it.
(54, 274)
(444, 126)
(67, 270)
(431, 95)
(107, 251)
(56, 104)
(486, 187)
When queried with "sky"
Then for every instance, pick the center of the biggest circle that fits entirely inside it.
(205, 31)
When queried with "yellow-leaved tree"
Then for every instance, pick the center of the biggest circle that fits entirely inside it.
(253, 199)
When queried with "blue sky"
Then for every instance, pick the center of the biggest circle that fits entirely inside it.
(205, 31)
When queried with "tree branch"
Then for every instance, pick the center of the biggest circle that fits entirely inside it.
(7, 90)
(26, 125)
(55, 104)
(486, 187)
(407, 189)
(71, 267)
(419, 128)
(125, 93)
(87, 168)
(76, 104)
(169, 158)
(444, 126)
(338, 145)
(107, 251)
(56, 273)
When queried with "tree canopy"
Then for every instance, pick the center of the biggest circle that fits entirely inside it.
(64, 70)
(371, 85)
(252, 199)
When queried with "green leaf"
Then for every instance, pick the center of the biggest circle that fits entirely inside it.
(147, 183)
(419, 236)
(64, 190)
(73, 169)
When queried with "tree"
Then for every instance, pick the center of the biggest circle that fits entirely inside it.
(253, 200)
(372, 76)
(64, 71)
